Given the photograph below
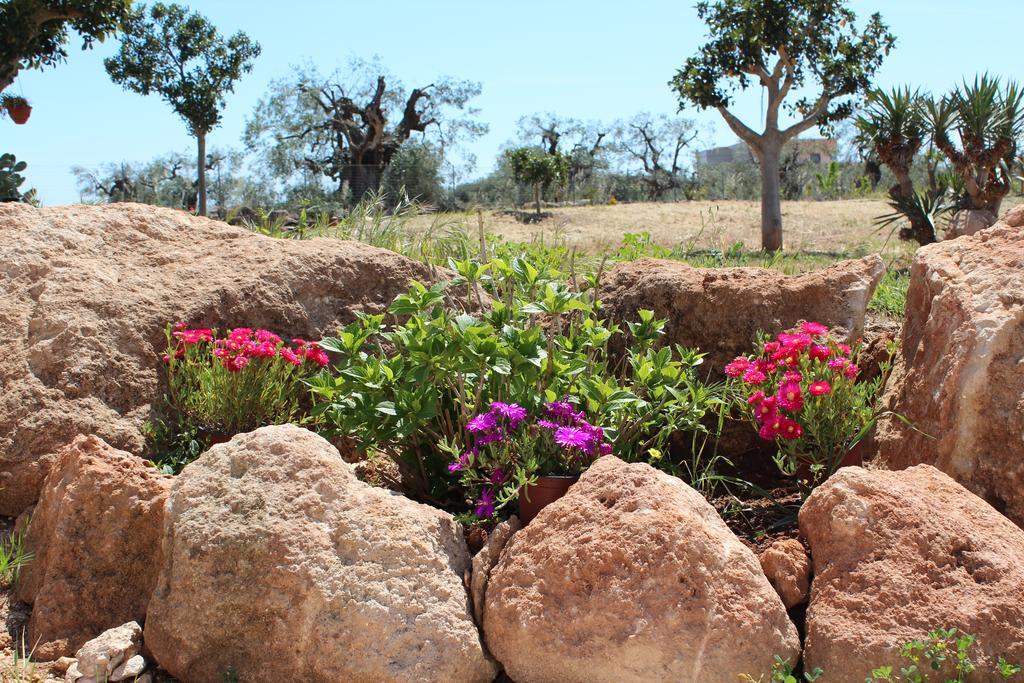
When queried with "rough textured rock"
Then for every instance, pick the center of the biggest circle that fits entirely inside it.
(484, 561)
(788, 569)
(897, 554)
(959, 375)
(632, 576)
(280, 563)
(720, 310)
(97, 660)
(95, 539)
(969, 222)
(85, 293)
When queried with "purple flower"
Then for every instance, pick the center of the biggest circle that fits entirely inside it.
(513, 412)
(573, 437)
(483, 422)
(498, 476)
(485, 504)
(606, 449)
(463, 460)
(559, 409)
(548, 424)
(490, 437)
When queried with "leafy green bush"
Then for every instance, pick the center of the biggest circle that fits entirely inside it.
(408, 388)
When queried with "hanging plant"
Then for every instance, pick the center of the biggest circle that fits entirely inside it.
(17, 108)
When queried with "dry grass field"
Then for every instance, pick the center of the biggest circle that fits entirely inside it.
(836, 227)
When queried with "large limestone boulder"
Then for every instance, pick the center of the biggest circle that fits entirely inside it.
(959, 375)
(632, 576)
(280, 564)
(897, 554)
(95, 540)
(720, 310)
(85, 293)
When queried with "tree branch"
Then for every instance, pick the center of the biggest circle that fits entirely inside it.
(742, 130)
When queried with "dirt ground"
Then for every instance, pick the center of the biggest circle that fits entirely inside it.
(842, 226)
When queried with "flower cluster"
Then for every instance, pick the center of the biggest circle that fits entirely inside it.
(240, 381)
(243, 345)
(778, 380)
(507, 448)
(801, 391)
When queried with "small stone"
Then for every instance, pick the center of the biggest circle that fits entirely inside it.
(788, 569)
(130, 669)
(62, 665)
(98, 658)
(72, 675)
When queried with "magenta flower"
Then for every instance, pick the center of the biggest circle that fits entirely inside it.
(819, 352)
(605, 449)
(838, 364)
(753, 376)
(790, 429)
(755, 397)
(548, 424)
(767, 409)
(513, 412)
(485, 504)
(460, 464)
(790, 396)
(484, 422)
(793, 376)
(559, 409)
(498, 476)
(819, 388)
(814, 329)
(573, 437)
(851, 371)
(737, 367)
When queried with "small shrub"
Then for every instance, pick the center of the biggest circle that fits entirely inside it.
(890, 298)
(409, 387)
(782, 672)
(800, 390)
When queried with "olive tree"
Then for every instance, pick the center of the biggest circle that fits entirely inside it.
(349, 126)
(180, 56)
(785, 46)
(34, 33)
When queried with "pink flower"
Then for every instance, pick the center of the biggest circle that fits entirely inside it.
(266, 336)
(290, 356)
(484, 422)
(737, 367)
(814, 329)
(790, 397)
(795, 341)
(845, 348)
(766, 410)
(195, 336)
(790, 429)
(237, 363)
(838, 364)
(755, 397)
(819, 388)
(793, 376)
(753, 376)
(317, 355)
(851, 371)
(771, 347)
(819, 352)
(571, 437)
(772, 428)
(605, 449)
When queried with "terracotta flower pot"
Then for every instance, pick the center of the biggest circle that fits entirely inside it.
(19, 113)
(533, 499)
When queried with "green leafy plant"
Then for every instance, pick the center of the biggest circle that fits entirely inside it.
(782, 672)
(944, 653)
(410, 387)
(800, 390)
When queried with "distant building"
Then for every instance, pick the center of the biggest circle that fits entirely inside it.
(815, 151)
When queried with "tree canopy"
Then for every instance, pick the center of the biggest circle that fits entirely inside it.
(34, 33)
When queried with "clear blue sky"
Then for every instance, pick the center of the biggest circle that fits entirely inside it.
(589, 59)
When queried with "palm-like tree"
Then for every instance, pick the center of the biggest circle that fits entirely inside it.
(894, 127)
(985, 119)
